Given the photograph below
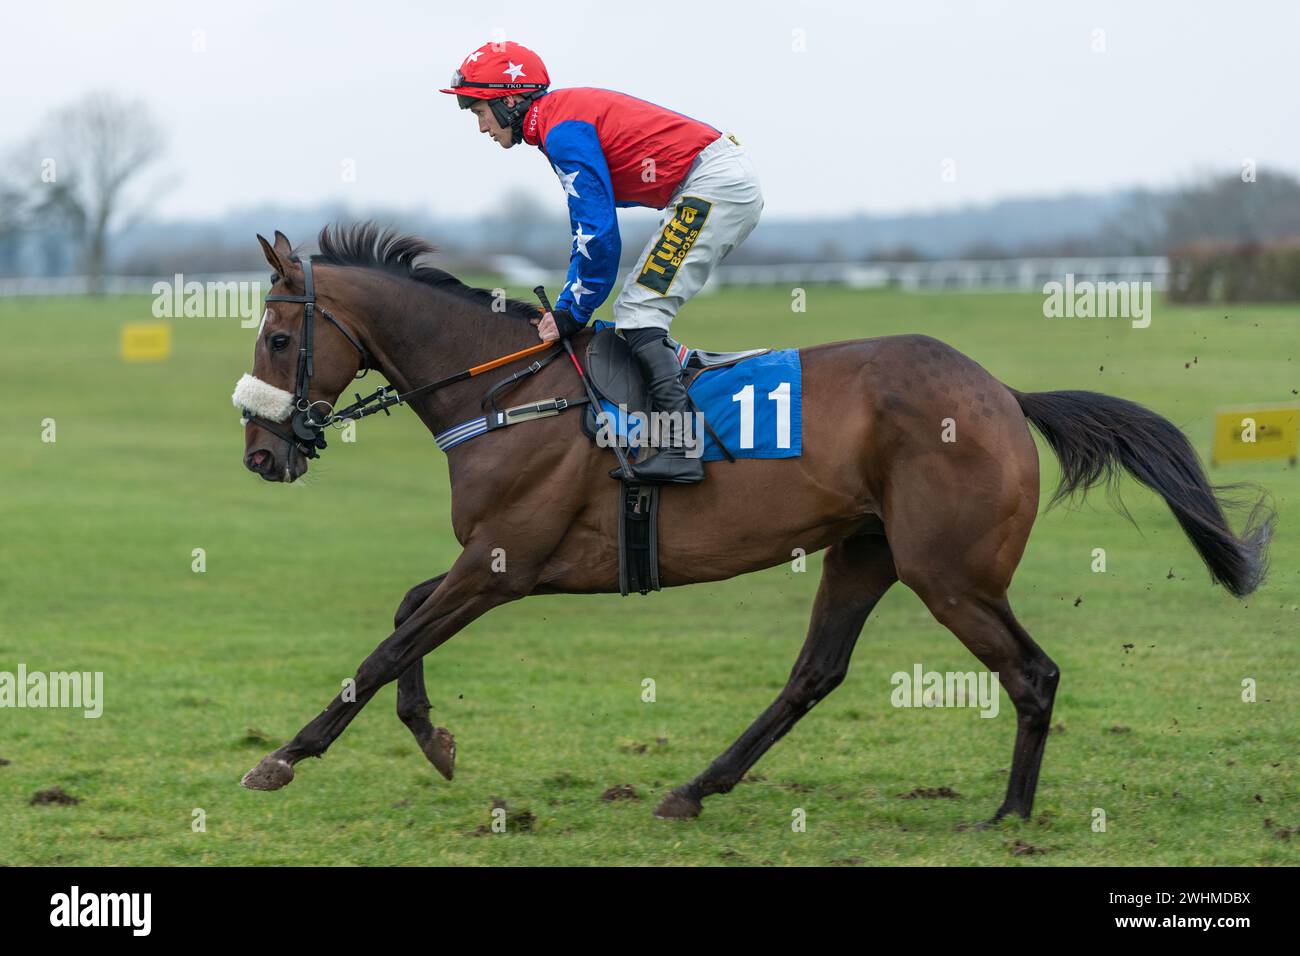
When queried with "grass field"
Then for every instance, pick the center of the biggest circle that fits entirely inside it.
(207, 672)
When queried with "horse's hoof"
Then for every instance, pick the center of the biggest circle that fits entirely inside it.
(441, 751)
(271, 773)
(678, 806)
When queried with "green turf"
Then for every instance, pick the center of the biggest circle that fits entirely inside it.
(207, 672)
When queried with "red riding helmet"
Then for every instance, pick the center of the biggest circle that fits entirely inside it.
(495, 71)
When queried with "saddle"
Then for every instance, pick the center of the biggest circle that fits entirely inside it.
(616, 378)
(616, 374)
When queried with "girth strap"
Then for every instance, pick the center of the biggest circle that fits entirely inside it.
(500, 419)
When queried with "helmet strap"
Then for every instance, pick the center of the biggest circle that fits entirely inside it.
(512, 117)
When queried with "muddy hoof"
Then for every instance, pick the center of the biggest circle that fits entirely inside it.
(678, 806)
(441, 751)
(271, 773)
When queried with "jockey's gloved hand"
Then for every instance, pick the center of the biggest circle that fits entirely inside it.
(565, 323)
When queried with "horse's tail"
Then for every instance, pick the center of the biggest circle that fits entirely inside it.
(1093, 435)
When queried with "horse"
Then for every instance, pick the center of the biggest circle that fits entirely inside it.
(878, 486)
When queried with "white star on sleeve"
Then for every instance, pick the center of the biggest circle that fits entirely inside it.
(578, 290)
(566, 180)
(515, 71)
(580, 239)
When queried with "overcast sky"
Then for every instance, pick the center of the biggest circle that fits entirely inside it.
(863, 119)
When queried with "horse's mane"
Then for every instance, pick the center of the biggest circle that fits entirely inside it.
(371, 246)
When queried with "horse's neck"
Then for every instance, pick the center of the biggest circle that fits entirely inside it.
(426, 335)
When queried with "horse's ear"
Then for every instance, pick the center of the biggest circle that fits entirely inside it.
(283, 245)
(279, 266)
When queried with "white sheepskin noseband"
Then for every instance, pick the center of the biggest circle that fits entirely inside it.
(262, 399)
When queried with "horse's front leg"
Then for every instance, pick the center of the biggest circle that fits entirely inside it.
(468, 590)
(436, 743)
(413, 707)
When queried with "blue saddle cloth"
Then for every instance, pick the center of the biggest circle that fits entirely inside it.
(754, 406)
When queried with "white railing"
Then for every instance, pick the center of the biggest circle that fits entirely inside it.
(114, 285)
(514, 270)
(1026, 275)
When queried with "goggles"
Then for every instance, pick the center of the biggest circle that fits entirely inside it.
(458, 79)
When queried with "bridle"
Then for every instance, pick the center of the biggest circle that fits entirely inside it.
(306, 429)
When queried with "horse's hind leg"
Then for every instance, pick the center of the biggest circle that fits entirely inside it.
(855, 575)
(1036, 680)
(413, 705)
(991, 632)
(959, 554)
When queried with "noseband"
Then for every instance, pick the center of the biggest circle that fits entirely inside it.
(307, 426)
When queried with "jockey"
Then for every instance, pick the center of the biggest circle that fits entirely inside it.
(611, 150)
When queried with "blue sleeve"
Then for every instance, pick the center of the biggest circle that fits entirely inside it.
(575, 154)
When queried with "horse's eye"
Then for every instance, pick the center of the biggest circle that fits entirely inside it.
(279, 341)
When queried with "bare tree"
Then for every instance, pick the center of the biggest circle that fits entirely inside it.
(94, 151)
(13, 211)
(1229, 209)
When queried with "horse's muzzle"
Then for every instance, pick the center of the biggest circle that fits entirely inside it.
(263, 462)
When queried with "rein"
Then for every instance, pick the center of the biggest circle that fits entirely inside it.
(385, 397)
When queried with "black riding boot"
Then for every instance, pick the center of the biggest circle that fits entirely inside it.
(663, 373)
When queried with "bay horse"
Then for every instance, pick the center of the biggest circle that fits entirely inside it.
(877, 486)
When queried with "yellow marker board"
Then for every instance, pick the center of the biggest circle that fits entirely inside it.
(146, 341)
(1254, 432)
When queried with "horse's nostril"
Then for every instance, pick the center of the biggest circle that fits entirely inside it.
(258, 460)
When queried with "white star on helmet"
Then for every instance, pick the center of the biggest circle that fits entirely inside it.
(514, 71)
